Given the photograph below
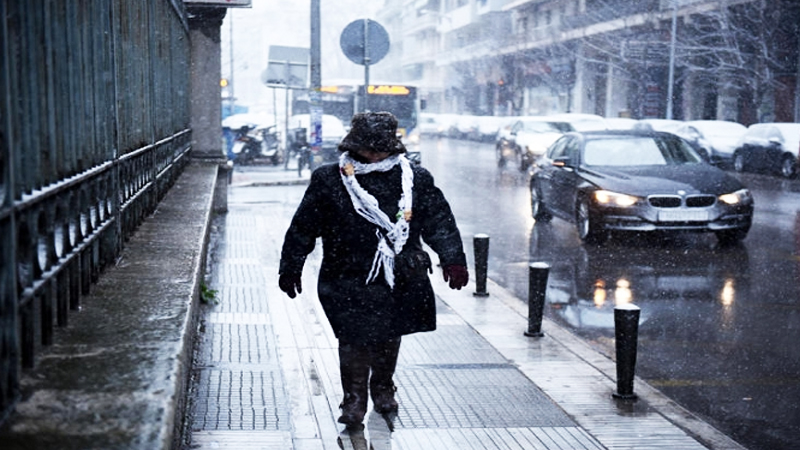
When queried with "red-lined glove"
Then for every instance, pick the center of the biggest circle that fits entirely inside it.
(290, 283)
(458, 276)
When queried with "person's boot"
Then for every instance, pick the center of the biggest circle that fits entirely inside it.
(354, 368)
(384, 363)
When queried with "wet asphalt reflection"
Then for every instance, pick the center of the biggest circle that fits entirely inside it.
(719, 327)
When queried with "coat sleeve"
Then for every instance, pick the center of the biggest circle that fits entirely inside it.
(304, 229)
(439, 229)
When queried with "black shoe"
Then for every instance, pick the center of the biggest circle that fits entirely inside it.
(354, 408)
(383, 398)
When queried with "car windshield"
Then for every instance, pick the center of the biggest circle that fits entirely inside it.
(637, 151)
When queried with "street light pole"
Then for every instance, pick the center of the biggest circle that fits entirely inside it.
(316, 63)
(672, 59)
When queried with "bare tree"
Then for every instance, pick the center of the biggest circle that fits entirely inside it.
(744, 48)
(740, 47)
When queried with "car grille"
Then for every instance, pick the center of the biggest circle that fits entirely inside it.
(676, 201)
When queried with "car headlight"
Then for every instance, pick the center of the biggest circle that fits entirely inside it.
(736, 198)
(614, 198)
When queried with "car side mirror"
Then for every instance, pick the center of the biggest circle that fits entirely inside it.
(562, 161)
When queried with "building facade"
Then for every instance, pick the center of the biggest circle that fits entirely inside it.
(687, 59)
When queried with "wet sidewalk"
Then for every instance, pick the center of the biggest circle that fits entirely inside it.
(266, 369)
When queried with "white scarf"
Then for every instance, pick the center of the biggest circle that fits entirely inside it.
(367, 207)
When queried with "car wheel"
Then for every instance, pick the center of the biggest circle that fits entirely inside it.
(538, 211)
(588, 230)
(731, 237)
(738, 162)
(788, 169)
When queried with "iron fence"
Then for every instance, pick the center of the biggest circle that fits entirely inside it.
(94, 129)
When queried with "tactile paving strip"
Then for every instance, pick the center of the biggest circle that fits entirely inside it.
(473, 396)
(453, 378)
(236, 343)
(240, 399)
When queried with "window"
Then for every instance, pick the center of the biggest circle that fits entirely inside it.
(522, 25)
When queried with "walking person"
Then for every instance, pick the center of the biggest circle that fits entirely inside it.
(371, 211)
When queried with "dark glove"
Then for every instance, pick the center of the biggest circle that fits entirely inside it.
(290, 283)
(457, 275)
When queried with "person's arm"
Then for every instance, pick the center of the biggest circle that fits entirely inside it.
(301, 237)
(439, 229)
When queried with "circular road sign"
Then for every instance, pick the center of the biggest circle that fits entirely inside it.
(364, 51)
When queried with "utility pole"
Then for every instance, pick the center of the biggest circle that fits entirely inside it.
(314, 94)
(316, 66)
(230, 62)
(672, 59)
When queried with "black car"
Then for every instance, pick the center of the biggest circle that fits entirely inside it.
(769, 147)
(637, 181)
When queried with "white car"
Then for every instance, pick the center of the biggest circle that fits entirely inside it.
(528, 139)
(771, 147)
(718, 138)
(428, 125)
(333, 132)
(489, 126)
(581, 122)
(665, 125)
(466, 127)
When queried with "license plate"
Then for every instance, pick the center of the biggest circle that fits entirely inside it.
(683, 215)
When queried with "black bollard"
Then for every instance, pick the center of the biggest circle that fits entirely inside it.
(481, 247)
(626, 331)
(537, 287)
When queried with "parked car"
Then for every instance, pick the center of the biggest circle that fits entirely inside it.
(527, 139)
(666, 125)
(332, 133)
(581, 122)
(466, 127)
(671, 126)
(717, 138)
(637, 181)
(447, 124)
(771, 147)
(488, 126)
(428, 125)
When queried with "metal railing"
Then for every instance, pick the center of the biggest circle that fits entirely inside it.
(94, 129)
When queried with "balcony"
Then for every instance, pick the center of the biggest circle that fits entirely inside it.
(609, 13)
(420, 55)
(469, 52)
(421, 22)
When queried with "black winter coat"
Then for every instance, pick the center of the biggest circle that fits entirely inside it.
(360, 312)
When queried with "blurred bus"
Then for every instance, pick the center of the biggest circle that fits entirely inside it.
(344, 98)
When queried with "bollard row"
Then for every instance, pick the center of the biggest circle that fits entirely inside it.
(626, 317)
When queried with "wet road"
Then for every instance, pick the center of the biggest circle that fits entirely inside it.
(720, 327)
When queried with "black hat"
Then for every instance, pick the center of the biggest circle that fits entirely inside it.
(376, 131)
